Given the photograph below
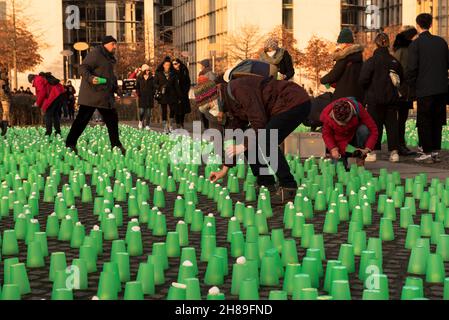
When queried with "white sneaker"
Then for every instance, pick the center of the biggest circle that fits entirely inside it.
(147, 128)
(425, 158)
(166, 130)
(394, 156)
(436, 157)
(140, 126)
(371, 157)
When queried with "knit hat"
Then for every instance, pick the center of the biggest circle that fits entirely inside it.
(108, 39)
(382, 40)
(342, 111)
(346, 36)
(271, 43)
(205, 63)
(145, 67)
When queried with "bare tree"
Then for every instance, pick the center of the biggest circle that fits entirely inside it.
(129, 57)
(317, 59)
(244, 44)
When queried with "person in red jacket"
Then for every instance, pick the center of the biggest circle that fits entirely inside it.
(346, 122)
(50, 98)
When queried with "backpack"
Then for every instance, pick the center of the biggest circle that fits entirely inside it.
(51, 79)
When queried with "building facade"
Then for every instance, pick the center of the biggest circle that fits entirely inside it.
(201, 26)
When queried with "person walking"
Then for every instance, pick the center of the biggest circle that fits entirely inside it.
(5, 100)
(382, 94)
(205, 73)
(401, 47)
(167, 92)
(344, 76)
(145, 92)
(262, 103)
(98, 86)
(184, 85)
(428, 64)
(278, 57)
(50, 97)
(70, 92)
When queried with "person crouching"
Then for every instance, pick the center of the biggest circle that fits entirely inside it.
(347, 124)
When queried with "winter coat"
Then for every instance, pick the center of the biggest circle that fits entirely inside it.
(185, 84)
(98, 63)
(282, 60)
(428, 64)
(346, 72)
(337, 136)
(145, 91)
(169, 87)
(256, 100)
(375, 78)
(46, 94)
(401, 50)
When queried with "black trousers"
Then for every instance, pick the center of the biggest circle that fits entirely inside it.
(205, 121)
(403, 111)
(164, 108)
(431, 118)
(386, 116)
(71, 107)
(284, 123)
(53, 116)
(110, 118)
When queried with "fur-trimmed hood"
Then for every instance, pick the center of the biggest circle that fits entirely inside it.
(340, 54)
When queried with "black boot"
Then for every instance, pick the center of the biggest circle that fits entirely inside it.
(404, 151)
(4, 128)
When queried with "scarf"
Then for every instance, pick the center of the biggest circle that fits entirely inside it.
(276, 59)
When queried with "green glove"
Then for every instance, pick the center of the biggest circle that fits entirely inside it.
(328, 86)
(350, 149)
(101, 80)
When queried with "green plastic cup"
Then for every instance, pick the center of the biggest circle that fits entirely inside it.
(435, 269)
(145, 275)
(418, 261)
(10, 292)
(249, 290)
(107, 286)
(10, 245)
(386, 232)
(193, 290)
(277, 295)
(340, 290)
(328, 274)
(413, 234)
(346, 256)
(35, 257)
(177, 291)
(300, 281)
(18, 276)
(133, 291)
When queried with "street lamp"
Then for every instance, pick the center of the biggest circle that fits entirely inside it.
(80, 47)
(66, 54)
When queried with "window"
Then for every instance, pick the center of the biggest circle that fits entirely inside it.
(2, 10)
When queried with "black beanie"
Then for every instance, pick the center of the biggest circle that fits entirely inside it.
(31, 78)
(108, 39)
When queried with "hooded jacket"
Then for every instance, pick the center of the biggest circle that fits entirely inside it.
(46, 94)
(338, 136)
(346, 72)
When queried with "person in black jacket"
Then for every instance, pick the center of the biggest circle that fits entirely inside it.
(344, 76)
(70, 92)
(428, 64)
(400, 48)
(168, 93)
(185, 83)
(380, 77)
(98, 86)
(278, 57)
(145, 92)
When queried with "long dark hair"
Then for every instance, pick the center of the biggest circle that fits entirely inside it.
(182, 66)
(160, 67)
(404, 39)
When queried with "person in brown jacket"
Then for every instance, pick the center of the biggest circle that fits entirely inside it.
(261, 102)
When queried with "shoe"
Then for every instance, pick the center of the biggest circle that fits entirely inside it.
(425, 158)
(394, 156)
(147, 128)
(140, 125)
(166, 130)
(123, 150)
(283, 196)
(371, 157)
(404, 151)
(420, 150)
(436, 157)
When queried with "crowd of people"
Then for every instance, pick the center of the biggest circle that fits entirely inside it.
(259, 94)
(415, 68)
